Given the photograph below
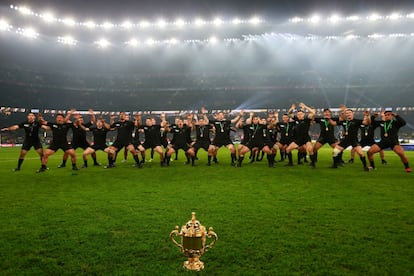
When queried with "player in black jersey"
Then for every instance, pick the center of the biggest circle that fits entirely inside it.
(326, 133)
(301, 133)
(180, 140)
(389, 125)
(350, 126)
(59, 131)
(31, 139)
(285, 129)
(99, 131)
(202, 129)
(367, 134)
(152, 133)
(222, 127)
(123, 139)
(79, 138)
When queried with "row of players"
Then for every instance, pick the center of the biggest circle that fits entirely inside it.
(265, 134)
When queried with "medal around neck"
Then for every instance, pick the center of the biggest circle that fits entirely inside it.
(193, 242)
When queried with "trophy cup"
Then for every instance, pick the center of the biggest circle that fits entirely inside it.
(193, 242)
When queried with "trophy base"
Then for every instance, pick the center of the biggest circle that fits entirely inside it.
(193, 264)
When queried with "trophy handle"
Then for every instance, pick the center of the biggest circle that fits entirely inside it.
(173, 234)
(211, 234)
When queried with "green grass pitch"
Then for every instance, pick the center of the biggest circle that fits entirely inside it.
(270, 221)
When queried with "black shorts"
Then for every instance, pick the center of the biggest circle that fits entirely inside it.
(184, 147)
(346, 143)
(270, 144)
(201, 145)
(383, 144)
(285, 140)
(326, 140)
(220, 143)
(27, 145)
(119, 145)
(83, 145)
(56, 147)
(302, 141)
(365, 143)
(150, 145)
(255, 145)
(98, 147)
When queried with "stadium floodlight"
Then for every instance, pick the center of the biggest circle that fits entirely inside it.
(24, 10)
(351, 36)
(48, 17)
(67, 40)
(374, 17)
(161, 23)
(199, 22)
(172, 41)
(144, 24)
(107, 25)
(4, 25)
(103, 43)
(411, 15)
(217, 22)
(179, 22)
(236, 21)
(376, 36)
(69, 21)
(314, 19)
(212, 40)
(296, 19)
(394, 16)
(150, 41)
(352, 18)
(127, 24)
(29, 32)
(334, 19)
(254, 20)
(133, 42)
(90, 24)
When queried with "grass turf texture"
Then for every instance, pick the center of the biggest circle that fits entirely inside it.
(283, 220)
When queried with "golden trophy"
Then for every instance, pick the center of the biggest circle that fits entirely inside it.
(193, 242)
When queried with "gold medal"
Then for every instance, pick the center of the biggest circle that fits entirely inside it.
(385, 134)
(346, 133)
(287, 134)
(326, 129)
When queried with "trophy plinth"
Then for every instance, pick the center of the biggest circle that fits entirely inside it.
(193, 242)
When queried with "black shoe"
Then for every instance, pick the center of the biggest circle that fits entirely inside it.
(97, 164)
(41, 170)
(84, 166)
(215, 160)
(333, 167)
(61, 166)
(289, 165)
(74, 168)
(109, 166)
(137, 165)
(208, 164)
(351, 161)
(384, 162)
(16, 169)
(300, 163)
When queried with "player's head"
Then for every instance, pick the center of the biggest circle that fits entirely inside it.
(31, 117)
(349, 114)
(387, 115)
(255, 120)
(60, 118)
(285, 118)
(327, 113)
(149, 121)
(300, 114)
